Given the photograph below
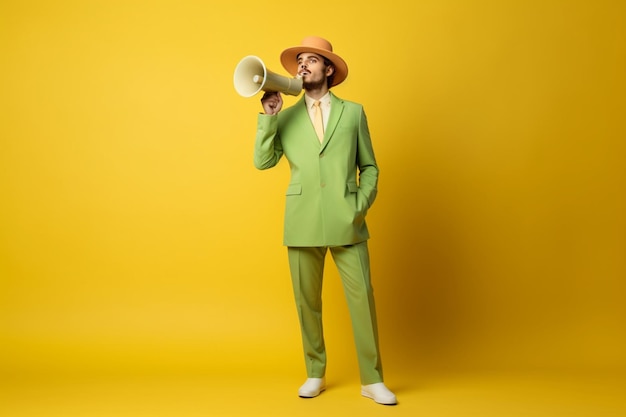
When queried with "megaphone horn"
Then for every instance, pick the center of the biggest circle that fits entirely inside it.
(252, 76)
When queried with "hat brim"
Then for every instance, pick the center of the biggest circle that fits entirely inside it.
(289, 59)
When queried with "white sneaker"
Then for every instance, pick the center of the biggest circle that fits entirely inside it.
(312, 387)
(379, 393)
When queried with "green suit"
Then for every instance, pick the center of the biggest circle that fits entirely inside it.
(332, 186)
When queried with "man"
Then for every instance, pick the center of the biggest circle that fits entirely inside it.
(334, 179)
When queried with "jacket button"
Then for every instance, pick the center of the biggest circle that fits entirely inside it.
(323, 185)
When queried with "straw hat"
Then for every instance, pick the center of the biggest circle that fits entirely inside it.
(317, 45)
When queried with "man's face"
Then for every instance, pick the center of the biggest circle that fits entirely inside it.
(312, 69)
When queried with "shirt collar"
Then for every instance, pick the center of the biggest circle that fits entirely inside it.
(325, 100)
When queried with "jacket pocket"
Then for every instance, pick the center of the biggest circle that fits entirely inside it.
(361, 205)
(294, 189)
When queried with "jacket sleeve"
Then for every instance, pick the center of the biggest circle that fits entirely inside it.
(267, 147)
(368, 169)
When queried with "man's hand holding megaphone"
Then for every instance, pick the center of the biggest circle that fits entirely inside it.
(272, 102)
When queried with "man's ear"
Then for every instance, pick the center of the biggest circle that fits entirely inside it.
(330, 70)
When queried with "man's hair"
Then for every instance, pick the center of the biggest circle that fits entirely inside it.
(331, 77)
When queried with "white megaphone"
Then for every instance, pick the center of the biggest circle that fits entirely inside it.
(252, 76)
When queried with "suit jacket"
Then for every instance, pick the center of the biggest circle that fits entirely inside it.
(333, 184)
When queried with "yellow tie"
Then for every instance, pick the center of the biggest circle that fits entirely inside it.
(318, 122)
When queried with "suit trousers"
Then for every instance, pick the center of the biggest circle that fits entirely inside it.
(352, 261)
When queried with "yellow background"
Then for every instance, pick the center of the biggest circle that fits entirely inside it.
(136, 237)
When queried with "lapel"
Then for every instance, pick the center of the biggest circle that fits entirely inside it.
(303, 119)
(336, 109)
